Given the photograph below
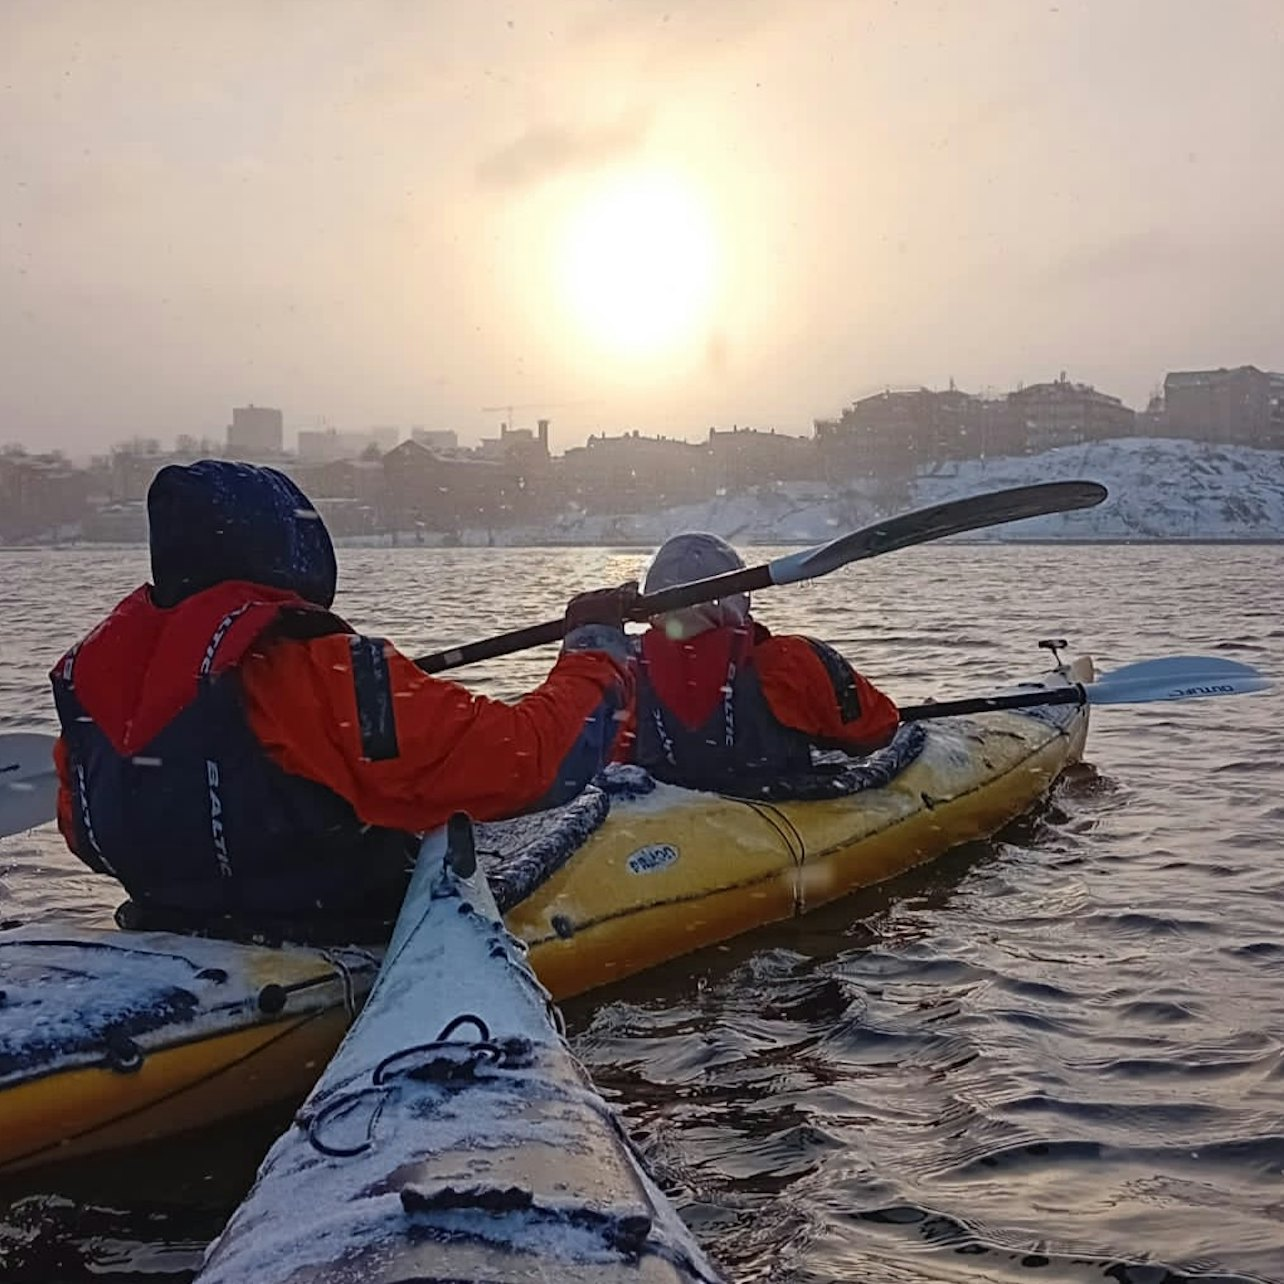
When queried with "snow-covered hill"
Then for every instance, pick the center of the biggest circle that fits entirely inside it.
(785, 513)
(1160, 489)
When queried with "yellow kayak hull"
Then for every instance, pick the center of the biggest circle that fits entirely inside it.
(659, 881)
(79, 1112)
(259, 1028)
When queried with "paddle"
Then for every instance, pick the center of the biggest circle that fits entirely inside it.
(28, 782)
(1182, 677)
(28, 786)
(952, 518)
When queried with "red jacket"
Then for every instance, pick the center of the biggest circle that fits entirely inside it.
(807, 686)
(452, 750)
(456, 751)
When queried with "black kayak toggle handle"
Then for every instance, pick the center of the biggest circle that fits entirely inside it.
(1055, 645)
(461, 845)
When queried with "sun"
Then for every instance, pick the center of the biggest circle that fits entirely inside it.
(639, 264)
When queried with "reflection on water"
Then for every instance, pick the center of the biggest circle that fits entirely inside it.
(1053, 1056)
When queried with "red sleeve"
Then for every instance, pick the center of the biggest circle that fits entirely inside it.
(811, 688)
(65, 826)
(408, 750)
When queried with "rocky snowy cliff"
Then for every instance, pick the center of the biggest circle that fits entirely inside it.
(1160, 488)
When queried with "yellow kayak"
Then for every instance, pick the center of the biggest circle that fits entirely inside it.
(672, 871)
(111, 1038)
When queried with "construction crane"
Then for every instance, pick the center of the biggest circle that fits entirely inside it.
(532, 405)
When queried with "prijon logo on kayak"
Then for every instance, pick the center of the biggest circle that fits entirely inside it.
(646, 860)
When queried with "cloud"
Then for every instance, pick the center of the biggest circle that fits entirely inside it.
(688, 33)
(1126, 254)
(545, 151)
(1235, 257)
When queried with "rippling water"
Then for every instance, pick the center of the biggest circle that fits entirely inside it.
(1054, 1056)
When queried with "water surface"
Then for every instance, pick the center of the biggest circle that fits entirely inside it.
(1055, 1056)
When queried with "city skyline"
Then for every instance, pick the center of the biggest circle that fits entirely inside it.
(324, 441)
(668, 216)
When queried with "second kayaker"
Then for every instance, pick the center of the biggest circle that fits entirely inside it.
(244, 762)
(722, 704)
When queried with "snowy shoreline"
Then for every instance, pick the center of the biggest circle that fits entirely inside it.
(1162, 491)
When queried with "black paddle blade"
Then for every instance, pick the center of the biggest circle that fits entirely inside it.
(954, 517)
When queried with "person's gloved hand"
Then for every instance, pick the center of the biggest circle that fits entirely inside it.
(595, 620)
(609, 606)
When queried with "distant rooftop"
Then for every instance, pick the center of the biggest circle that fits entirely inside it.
(1197, 378)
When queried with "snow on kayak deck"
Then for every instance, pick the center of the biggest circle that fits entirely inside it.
(453, 1132)
(86, 997)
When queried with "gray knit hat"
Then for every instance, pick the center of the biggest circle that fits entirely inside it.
(696, 555)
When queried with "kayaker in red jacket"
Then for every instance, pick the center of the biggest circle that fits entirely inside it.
(722, 704)
(241, 759)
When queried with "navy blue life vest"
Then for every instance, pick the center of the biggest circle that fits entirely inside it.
(173, 795)
(739, 748)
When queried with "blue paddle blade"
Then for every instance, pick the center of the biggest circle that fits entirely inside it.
(1178, 677)
(28, 782)
(1177, 666)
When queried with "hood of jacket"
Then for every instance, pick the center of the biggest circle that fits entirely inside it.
(217, 521)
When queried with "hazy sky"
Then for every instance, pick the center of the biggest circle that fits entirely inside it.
(669, 215)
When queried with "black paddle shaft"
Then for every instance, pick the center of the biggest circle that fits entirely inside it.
(746, 581)
(955, 517)
(987, 704)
